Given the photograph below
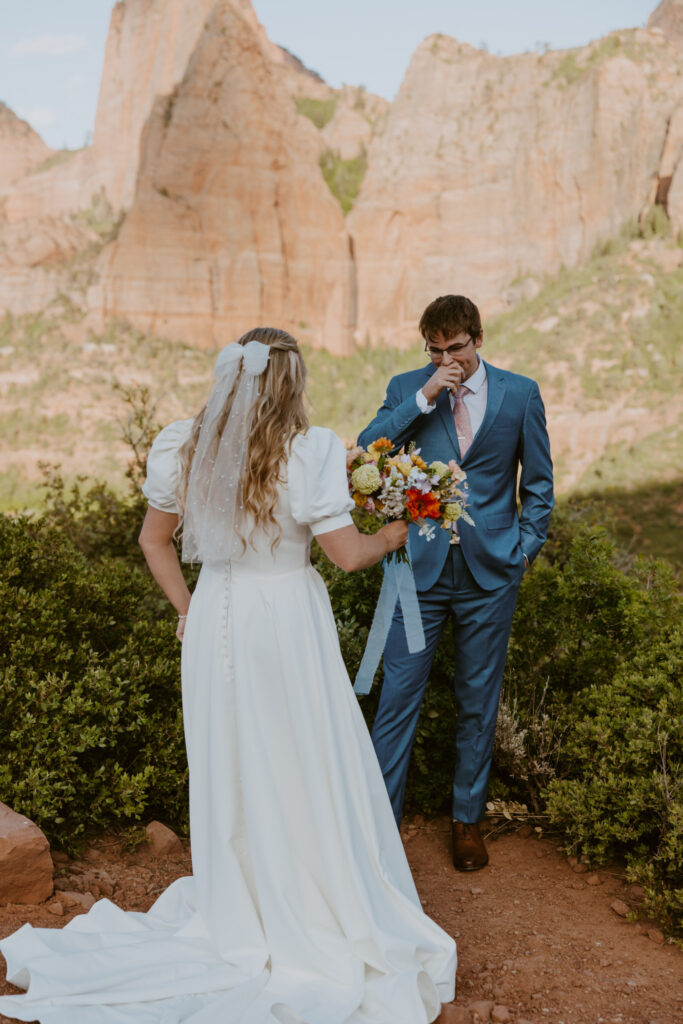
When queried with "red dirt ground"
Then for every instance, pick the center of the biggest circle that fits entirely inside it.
(537, 939)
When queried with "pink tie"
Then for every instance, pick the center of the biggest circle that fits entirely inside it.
(463, 424)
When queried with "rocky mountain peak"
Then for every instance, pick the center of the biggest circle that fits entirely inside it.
(22, 148)
(668, 17)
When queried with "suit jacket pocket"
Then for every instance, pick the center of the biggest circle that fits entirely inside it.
(501, 521)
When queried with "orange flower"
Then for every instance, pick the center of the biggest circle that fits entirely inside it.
(422, 506)
(382, 444)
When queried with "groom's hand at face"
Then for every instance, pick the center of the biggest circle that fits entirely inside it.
(447, 375)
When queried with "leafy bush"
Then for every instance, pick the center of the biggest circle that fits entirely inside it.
(91, 725)
(344, 177)
(622, 790)
(320, 112)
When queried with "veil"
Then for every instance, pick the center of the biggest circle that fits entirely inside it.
(214, 493)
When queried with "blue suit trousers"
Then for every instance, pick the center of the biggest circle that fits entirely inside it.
(481, 629)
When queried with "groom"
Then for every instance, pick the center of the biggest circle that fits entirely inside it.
(490, 421)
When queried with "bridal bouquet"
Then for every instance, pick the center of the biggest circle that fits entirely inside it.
(404, 486)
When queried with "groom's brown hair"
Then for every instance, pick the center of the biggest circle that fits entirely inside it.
(448, 316)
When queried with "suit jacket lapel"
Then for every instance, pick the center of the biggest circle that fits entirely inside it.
(496, 391)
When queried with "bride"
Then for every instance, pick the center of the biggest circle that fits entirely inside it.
(301, 908)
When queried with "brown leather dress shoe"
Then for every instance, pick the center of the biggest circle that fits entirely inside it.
(469, 852)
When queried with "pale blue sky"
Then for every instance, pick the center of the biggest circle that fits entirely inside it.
(51, 51)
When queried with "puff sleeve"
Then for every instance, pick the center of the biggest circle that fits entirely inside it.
(163, 466)
(318, 489)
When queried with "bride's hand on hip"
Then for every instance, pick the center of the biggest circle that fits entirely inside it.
(395, 534)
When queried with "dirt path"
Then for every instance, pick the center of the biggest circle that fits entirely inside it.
(537, 941)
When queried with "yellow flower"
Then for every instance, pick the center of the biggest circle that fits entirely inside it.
(402, 467)
(366, 479)
(440, 468)
(419, 462)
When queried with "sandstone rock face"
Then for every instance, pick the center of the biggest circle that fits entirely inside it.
(232, 224)
(358, 116)
(494, 168)
(148, 46)
(25, 862)
(668, 17)
(64, 188)
(675, 199)
(670, 188)
(21, 149)
(34, 257)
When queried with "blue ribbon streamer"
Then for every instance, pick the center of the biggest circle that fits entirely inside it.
(398, 585)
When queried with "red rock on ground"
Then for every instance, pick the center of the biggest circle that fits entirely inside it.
(163, 841)
(25, 862)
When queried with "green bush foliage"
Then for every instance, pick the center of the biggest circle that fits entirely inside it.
(344, 177)
(320, 112)
(91, 725)
(590, 730)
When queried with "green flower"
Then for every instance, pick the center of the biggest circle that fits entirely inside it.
(452, 512)
(366, 479)
(440, 468)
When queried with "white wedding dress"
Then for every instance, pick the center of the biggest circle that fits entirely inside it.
(301, 908)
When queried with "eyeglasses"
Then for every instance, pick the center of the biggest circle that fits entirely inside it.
(438, 353)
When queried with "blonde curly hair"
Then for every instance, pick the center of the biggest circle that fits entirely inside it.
(279, 414)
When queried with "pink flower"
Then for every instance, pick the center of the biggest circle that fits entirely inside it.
(352, 454)
(457, 474)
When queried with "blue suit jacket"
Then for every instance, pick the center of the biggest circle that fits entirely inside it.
(512, 433)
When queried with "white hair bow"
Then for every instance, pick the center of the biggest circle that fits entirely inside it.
(254, 354)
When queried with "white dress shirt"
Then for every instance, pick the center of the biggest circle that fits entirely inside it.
(475, 398)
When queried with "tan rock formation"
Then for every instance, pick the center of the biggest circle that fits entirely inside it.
(674, 201)
(34, 258)
(25, 862)
(670, 183)
(148, 46)
(357, 117)
(491, 168)
(21, 149)
(668, 17)
(232, 223)
(301, 81)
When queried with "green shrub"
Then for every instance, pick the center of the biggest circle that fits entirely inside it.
(622, 793)
(91, 728)
(320, 112)
(344, 177)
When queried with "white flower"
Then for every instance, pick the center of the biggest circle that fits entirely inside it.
(427, 530)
